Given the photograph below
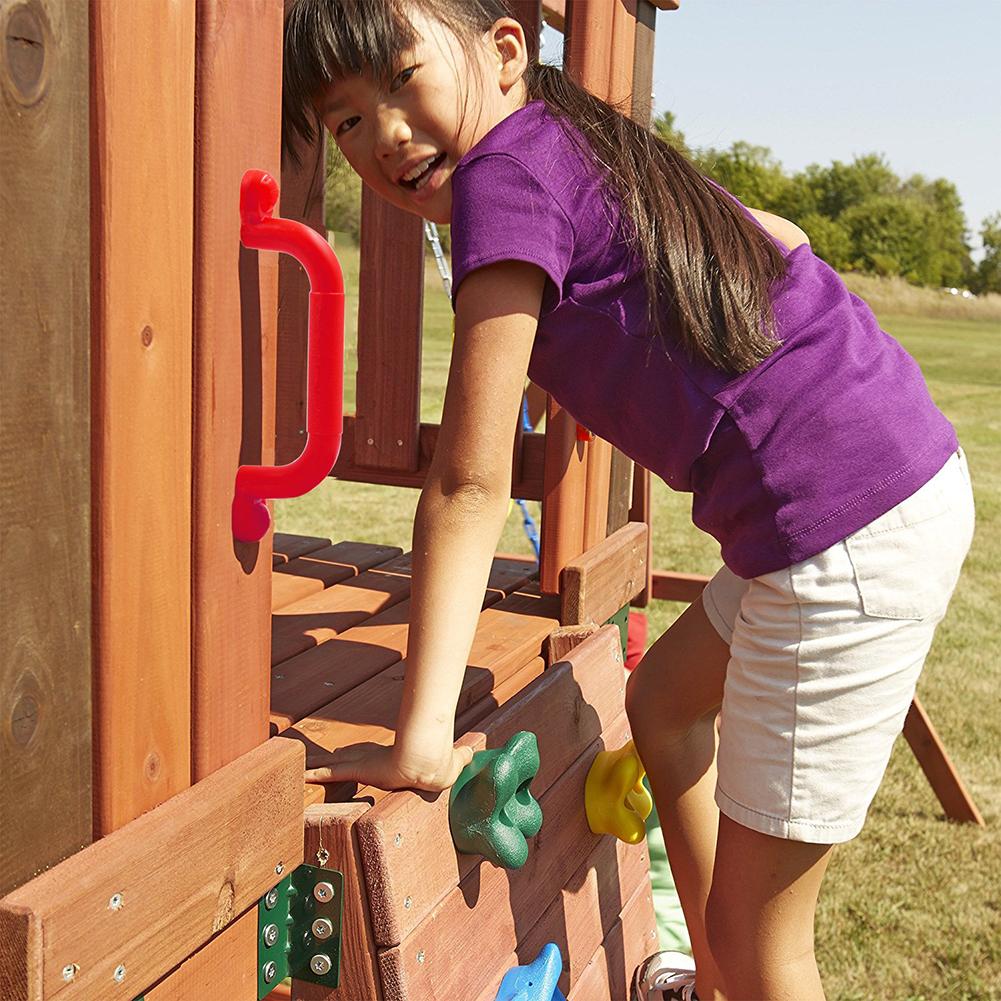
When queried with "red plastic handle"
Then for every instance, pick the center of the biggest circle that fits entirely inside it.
(260, 230)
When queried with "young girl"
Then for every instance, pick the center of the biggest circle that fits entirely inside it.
(709, 344)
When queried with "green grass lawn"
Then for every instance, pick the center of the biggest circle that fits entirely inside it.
(911, 909)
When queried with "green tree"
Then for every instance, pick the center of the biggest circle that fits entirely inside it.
(829, 240)
(750, 172)
(948, 253)
(664, 126)
(987, 277)
(343, 194)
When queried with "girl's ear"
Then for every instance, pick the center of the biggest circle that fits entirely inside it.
(508, 49)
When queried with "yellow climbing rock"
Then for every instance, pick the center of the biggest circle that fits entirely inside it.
(615, 799)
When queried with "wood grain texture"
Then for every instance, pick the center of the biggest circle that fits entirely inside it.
(45, 466)
(598, 483)
(182, 872)
(406, 842)
(390, 316)
(609, 575)
(642, 510)
(529, 13)
(643, 52)
(285, 547)
(423, 968)
(309, 574)
(237, 126)
(332, 827)
(475, 716)
(142, 403)
(669, 586)
(588, 39)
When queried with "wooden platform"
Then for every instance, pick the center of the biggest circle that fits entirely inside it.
(422, 922)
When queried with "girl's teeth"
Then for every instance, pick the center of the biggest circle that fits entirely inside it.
(418, 170)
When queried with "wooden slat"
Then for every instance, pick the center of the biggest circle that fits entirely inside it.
(620, 491)
(423, 968)
(621, 55)
(238, 59)
(502, 693)
(588, 32)
(646, 21)
(596, 585)
(669, 586)
(609, 973)
(567, 709)
(45, 466)
(554, 12)
(309, 574)
(580, 918)
(390, 307)
(182, 872)
(642, 511)
(938, 767)
(142, 403)
(285, 547)
(599, 478)
(302, 191)
(529, 13)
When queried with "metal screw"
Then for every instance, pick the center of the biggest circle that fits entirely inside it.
(323, 892)
(115, 903)
(280, 868)
(323, 928)
(279, 677)
(271, 898)
(371, 441)
(270, 971)
(420, 956)
(70, 971)
(320, 964)
(408, 903)
(329, 684)
(119, 973)
(322, 856)
(270, 935)
(399, 441)
(398, 840)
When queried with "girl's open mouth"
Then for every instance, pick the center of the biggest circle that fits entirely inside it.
(421, 179)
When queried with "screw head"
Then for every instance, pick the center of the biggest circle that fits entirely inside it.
(420, 956)
(323, 928)
(270, 971)
(398, 840)
(69, 971)
(280, 868)
(119, 973)
(320, 964)
(324, 892)
(271, 898)
(322, 856)
(270, 935)
(408, 903)
(116, 902)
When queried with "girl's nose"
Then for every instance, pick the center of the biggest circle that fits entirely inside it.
(392, 133)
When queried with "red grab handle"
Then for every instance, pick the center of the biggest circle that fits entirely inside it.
(260, 230)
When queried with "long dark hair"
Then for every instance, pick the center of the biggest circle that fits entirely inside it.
(708, 268)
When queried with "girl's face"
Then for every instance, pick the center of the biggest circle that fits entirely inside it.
(405, 140)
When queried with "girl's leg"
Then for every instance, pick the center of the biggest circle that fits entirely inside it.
(672, 700)
(760, 914)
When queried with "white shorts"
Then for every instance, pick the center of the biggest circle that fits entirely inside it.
(824, 659)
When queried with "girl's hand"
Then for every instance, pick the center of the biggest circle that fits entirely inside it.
(387, 767)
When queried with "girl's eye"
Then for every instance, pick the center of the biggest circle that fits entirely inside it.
(346, 125)
(403, 76)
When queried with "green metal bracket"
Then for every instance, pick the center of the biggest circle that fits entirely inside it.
(299, 929)
(621, 619)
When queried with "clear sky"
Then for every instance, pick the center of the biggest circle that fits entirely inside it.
(816, 81)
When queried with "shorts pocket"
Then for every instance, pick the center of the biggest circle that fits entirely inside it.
(907, 561)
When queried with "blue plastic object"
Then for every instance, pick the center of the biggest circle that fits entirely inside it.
(537, 981)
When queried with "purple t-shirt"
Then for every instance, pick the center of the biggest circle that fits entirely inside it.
(832, 430)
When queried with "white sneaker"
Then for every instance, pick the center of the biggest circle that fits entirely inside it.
(666, 976)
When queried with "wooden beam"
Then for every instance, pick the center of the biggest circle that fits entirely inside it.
(316, 571)
(669, 586)
(45, 384)
(142, 246)
(529, 13)
(646, 21)
(642, 511)
(554, 13)
(144, 898)
(609, 575)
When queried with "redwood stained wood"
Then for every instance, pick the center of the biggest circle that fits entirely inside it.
(599, 478)
(646, 22)
(585, 911)
(529, 13)
(390, 308)
(230, 958)
(323, 568)
(642, 510)
(514, 900)
(597, 584)
(554, 12)
(472, 718)
(561, 641)
(406, 842)
(45, 435)
(285, 547)
(237, 124)
(619, 491)
(668, 586)
(183, 871)
(142, 336)
(332, 828)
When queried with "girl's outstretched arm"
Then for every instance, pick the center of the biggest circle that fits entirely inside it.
(459, 520)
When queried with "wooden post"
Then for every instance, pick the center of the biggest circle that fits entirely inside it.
(142, 141)
(235, 294)
(45, 600)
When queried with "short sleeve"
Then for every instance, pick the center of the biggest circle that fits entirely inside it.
(502, 212)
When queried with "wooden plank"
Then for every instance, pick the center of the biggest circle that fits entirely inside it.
(620, 491)
(287, 547)
(529, 13)
(502, 693)
(554, 12)
(561, 641)
(528, 473)
(142, 404)
(588, 32)
(390, 314)
(609, 973)
(331, 842)
(302, 199)
(585, 911)
(323, 568)
(621, 56)
(423, 968)
(642, 510)
(238, 65)
(45, 466)
(179, 874)
(567, 709)
(938, 767)
(598, 483)
(646, 22)
(669, 586)
(609, 575)
(230, 958)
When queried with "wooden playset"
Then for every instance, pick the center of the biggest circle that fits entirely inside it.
(161, 680)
